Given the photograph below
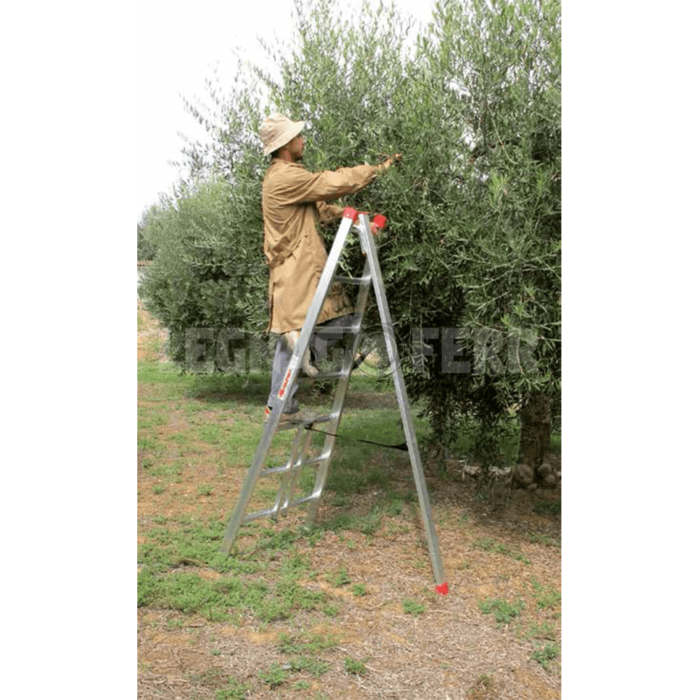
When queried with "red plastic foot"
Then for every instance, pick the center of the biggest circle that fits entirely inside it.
(442, 590)
(350, 213)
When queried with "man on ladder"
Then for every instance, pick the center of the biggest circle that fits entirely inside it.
(293, 199)
(302, 281)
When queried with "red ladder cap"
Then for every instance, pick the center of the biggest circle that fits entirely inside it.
(379, 221)
(442, 590)
(349, 213)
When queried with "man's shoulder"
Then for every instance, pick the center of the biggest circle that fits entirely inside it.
(281, 170)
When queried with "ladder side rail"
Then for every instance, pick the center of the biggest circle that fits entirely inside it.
(324, 285)
(338, 402)
(290, 377)
(400, 386)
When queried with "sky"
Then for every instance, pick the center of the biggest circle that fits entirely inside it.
(179, 49)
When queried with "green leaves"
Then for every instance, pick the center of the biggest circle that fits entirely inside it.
(474, 208)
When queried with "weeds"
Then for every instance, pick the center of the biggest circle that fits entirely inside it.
(549, 598)
(315, 644)
(355, 666)
(541, 538)
(274, 676)
(412, 608)
(234, 691)
(484, 683)
(340, 578)
(547, 507)
(503, 611)
(545, 654)
(488, 544)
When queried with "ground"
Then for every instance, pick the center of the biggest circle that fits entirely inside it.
(347, 610)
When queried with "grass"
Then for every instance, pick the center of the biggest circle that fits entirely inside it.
(503, 611)
(546, 653)
(185, 429)
(546, 599)
(225, 599)
(305, 644)
(484, 683)
(339, 578)
(355, 666)
(488, 544)
(275, 675)
(410, 607)
(547, 508)
(544, 630)
(302, 652)
(234, 691)
(244, 586)
(542, 538)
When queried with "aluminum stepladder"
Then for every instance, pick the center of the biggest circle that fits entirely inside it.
(290, 471)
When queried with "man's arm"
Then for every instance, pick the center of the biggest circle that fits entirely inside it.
(329, 212)
(299, 185)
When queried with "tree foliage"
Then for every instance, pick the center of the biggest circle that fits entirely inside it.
(145, 250)
(473, 249)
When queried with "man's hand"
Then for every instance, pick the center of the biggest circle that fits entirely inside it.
(390, 161)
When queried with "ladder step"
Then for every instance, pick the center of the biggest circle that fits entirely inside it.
(304, 499)
(286, 468)
(337, 330)
(366, 279)
(331, 375)
(271, 511)
(294, 424)
(325, 377)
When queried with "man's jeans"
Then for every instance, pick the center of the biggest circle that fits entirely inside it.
(320, 344)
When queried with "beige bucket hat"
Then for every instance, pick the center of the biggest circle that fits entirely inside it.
(277, 131)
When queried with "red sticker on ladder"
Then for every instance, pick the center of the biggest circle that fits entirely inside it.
(283, 388)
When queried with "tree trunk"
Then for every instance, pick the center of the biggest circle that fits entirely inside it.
(535, 430)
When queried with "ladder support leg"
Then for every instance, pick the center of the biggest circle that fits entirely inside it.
(400, 386)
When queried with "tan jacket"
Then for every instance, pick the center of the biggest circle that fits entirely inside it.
(293, 199)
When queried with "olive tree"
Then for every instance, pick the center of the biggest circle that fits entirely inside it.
(471, 257)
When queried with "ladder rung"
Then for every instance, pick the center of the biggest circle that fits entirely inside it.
(304, 499)
(320, 458)
(328, 376)
(289, 425)
(271, 511)
(287, 468)
(259, 514)
(322, 377)
(365, 279)
(275, 470)
(327, 418)
(338, 330)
